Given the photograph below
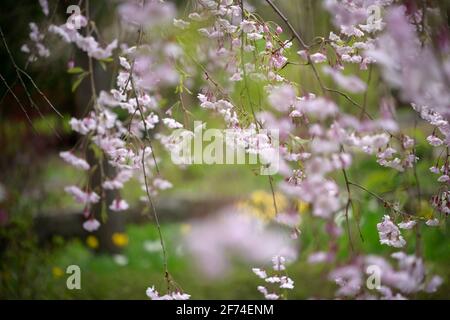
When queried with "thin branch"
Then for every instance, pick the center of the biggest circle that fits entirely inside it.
(383, 201)
(155, 216)
(19, 70)
(90, 63)
(39, 91)
(252, 109)
(18, 101)
(146, 137)
(286, 21)
(347, 207)
(346, 96)
(273, 195)
(364, 106)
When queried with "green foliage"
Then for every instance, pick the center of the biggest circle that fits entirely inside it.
(75, 70)
(78, 80)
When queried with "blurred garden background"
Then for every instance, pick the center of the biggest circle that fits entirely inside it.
(40, 225)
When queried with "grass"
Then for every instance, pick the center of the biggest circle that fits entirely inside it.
(103, 278)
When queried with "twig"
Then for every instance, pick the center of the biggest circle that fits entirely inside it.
(91, 67)
(364, 106)
(18, 101)
(286, 21)
(385, 203)
(155, 216)
(347, 207)
(255, 119)
(19, 70)
(346, 96)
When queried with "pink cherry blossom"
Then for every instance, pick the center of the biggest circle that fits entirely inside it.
(119, 205)
(390, 234)
(81, 196)
(75, 161)
(91, 225)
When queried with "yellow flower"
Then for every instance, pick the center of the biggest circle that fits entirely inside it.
(120, 239)
(302, 206)
(92, 242)
(426, 210)
(261, 204)
(57, 272)
(185, 228)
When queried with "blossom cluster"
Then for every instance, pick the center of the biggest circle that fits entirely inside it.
(321, 137)
(409, 276)
(318, 138)
(277, 280)
(154, 295)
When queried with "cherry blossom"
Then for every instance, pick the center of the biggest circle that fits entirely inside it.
(119, 205)
(432, 222)
(81, 196)
(389, 233)
(91, 225)
(407, 225)
(176, 295)
(75, 161)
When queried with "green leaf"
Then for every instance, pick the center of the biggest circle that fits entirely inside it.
(75, 70)
(104, 212)
(98, 153)
(187, 90)
(298, 140)
(107, 60)
(103, 65)
(260, 45)
(78, 81)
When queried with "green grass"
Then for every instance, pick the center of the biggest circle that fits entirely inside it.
(103, 278)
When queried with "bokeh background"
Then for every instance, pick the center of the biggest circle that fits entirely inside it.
(40, 225)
